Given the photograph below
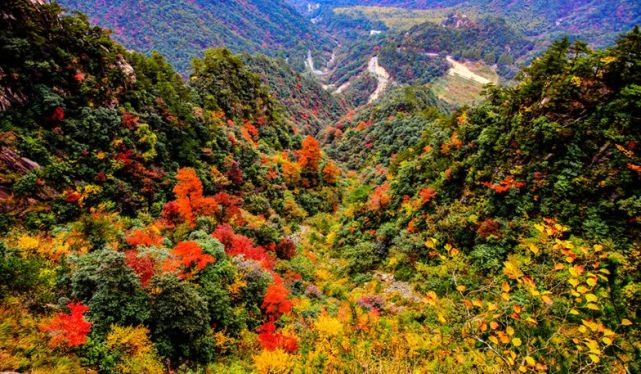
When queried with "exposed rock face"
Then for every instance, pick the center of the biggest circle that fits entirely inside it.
(126, 69)
(458, 21)
(7, 96)
(10, 160)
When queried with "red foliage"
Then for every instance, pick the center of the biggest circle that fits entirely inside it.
(504, 185)
(100, 177)
(234, 172)
(488, 227)
(310, 154)
(286, 249)
(171, 214)
(144, 265)
(229, 207)
(236, 245)
(68, 330)
(72, 196)
(58, 114)
(126, 157)
(79, 76)
(275, 302)
(130, 120)
(139, 237)
(187, 257)
(270, 340)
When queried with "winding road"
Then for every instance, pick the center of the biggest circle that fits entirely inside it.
(381, 75)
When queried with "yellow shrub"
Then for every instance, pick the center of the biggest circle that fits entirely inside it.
(139, 353)
(327, 326)
(273, 362)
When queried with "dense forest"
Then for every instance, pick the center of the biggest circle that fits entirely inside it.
(597, 22)
(181, 30)
(236, 217)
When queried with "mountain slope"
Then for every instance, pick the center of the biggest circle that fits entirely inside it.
(308, 106)
(180, 30)
(597, 22)
(427, 52)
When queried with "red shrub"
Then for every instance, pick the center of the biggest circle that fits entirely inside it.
(286, 249)
(275, 302)
(58, 114)
(270, 340)
(171, 214)
(68, 330)
(229, 207)
(144, 265)
(236, 245)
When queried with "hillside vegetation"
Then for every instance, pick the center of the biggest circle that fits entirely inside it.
(597, 22)
(181, 30)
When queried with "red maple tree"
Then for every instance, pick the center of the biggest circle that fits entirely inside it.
(275, 302)
(69, 330)
(143, 265)
(237, 245)
(271, 340)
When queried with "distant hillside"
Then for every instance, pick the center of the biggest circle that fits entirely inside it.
(420, 55)
(597, 22)
(307, 105)
(376, 133)
(181, 29)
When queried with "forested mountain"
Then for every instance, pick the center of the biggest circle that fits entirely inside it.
(241, 219)
(597, 22)
(427, 52)
(181, 30)
(308, 106)
(375, 134)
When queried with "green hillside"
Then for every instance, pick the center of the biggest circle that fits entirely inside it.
(181, 30)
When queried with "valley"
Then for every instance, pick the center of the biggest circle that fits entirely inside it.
(269, 186)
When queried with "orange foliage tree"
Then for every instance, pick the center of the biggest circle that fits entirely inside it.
(190, 202)
(379, 198)
(145, 238)
(310, 154)
(427, 194)
(504, 185)
(331, 172)
(187, 258)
